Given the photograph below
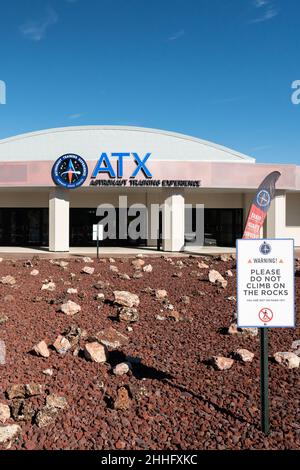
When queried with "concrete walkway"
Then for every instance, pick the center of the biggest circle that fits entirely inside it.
(23, 252)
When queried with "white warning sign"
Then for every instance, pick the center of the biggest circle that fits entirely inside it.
(265, 283)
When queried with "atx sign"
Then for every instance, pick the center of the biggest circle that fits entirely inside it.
(104, 164)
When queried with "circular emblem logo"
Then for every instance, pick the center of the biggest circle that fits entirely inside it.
(69, 171)
(263, 198)
(265, 248)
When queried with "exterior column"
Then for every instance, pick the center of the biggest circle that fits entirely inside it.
(59, 220)
(153, 206)
(173, 222)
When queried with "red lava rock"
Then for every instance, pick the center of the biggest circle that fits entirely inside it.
(176, 401)
(120, 445)
(30, 445)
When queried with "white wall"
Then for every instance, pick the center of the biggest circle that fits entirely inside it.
(215, 200)
(283, 220)
(93, 197)
(24, 198)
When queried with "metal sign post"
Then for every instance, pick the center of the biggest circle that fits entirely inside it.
(264, 381)
(265, 294)
(97, 235)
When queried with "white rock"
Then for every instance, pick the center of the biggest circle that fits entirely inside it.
(161, 294)
(87, 259)
(55, 401)
(62, 264)
(225, 258)
(124, 276)
(2, 353)
(70, 308)
(88, 270)
(49, 286)
(125, 298)
(122, 368)
(249, 331)
(10, 280)
(114, 269)
(100, 296)
(9, 432)
(148, 268)
(62, 344)
(4, 413)
(202, 265)
(34, 272)
(160, 317)
(222, 363)
(48, 372)
(41, 349)
(95, 352)
(138, 263)
(244, 355)
(296, 344)
(216, 278)
(233, 329)
(229, 273)
(72, 290)
(287, 359)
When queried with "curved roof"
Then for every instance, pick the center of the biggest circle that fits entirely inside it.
(91, 141)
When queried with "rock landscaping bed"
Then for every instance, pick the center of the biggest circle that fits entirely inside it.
(137, 353)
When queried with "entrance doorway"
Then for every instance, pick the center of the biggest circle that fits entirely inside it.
(222, 226)
(81, 227)
(24, 226)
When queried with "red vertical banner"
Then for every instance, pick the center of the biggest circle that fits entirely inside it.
(260, 205)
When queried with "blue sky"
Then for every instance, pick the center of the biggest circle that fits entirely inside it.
(220, 70)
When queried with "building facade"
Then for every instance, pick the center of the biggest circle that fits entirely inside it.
(53, 181)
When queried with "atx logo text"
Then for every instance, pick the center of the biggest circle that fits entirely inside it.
(104, 164)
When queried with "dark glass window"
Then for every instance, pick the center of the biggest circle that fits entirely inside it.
(24, 226)
(81, 227)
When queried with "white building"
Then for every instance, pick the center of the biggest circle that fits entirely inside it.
(35, 211)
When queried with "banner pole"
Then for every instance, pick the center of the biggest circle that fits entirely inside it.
(264, 381)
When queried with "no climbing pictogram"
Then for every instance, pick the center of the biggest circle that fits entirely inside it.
(265, 315)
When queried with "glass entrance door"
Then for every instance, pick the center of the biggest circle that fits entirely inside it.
(81, 228)
(222, 226)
